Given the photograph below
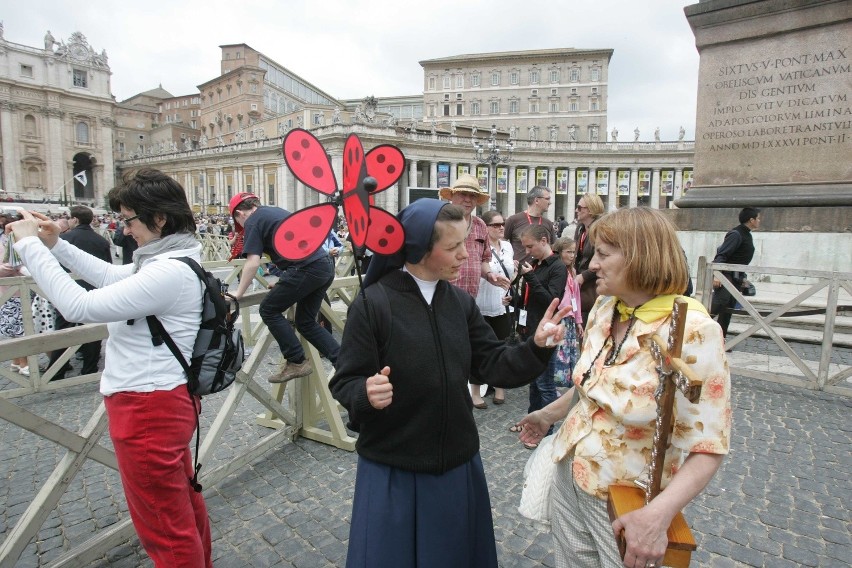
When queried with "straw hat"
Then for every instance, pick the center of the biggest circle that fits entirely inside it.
(465, 183)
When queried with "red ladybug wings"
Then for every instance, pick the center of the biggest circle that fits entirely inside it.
(304, 231)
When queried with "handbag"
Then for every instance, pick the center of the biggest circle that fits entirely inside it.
(539, 476)
(565, 355)
(748, 289)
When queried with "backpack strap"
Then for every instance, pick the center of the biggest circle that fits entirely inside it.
(159, 335)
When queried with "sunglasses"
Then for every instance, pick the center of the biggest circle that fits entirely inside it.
(496, 224)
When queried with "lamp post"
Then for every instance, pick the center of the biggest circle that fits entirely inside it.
(489, 153)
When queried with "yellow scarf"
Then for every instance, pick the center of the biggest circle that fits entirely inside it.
(657, 308)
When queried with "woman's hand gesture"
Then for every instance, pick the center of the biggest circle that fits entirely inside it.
(550, 330)
(34, 224)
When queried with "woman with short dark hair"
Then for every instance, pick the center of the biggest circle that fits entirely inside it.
(151, 414)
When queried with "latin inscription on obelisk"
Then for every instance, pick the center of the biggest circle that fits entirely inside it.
(776, 110)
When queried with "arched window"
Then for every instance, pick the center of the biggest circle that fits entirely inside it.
(30, 126)
(82, 133)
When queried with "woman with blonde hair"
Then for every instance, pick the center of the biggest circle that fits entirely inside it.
(589, 209)
(607, 436)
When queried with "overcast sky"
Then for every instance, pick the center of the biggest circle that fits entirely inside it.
(356, 48)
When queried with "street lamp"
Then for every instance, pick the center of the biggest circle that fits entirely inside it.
(489, 153)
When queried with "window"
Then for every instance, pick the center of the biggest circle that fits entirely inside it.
(447, 82)
(514, 77)
(82, 131)
(474, 80)
(253, 106)
(596, 74)
(474, 108)
(446, 96)
(494, 107)
(594, 90)
(495, 78)
(534, 77)
(534, 107)
(513, 107)
(574, 106)
(554, 106)
(121, 147)
(459, 109)
(593, 104)
(26, 70)
(459, 81)
(573, 90)
(446, 110)
(554, 92)
(80, 79)
(121, 134)
(554, 75)
(30, 126)
(193, 124)
(238, 55)
(431, 83)
(533, 92)
(458, 96)
(575, 75)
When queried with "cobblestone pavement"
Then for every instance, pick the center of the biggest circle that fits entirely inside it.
(780, 500)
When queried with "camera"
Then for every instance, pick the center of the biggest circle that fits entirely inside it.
(10, 213)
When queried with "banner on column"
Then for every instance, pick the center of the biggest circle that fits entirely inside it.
(502, 179)
(561, 182)
(582, 182)
(541, 177)
(623, 182)
(602, 185)
(521, 180)
(644, 183)
(687, 180)
(443, 174)
(667, 182)
(482, 176)
(462, 169)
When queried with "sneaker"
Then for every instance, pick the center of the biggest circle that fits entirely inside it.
(25, 371)
(14, 368)
(290, 371)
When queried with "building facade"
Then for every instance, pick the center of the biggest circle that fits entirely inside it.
(548, 94)
(56, 121)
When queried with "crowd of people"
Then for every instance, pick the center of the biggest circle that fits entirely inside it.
(470, 305)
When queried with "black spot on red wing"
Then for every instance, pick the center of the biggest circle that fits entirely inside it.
(296, 155)
(306, 143)
(303, 245)
(289, 236)
(357, 229)
(391, 169)
(389, 229)
(317, 171)
(363, 225)
(380, 158)
(383, 243)
(315, 221)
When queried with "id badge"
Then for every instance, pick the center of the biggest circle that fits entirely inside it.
(573, 305)
(522, 317)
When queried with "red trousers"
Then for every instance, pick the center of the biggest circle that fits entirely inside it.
(151, 433)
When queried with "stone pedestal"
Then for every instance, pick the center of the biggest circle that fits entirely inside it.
(774, 117)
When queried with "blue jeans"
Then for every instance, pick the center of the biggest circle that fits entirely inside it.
(543, 389)
(304, 286)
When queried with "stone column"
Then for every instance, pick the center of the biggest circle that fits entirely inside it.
(433, 174)
(612, 198)
(655, 188)
(280, 173)
(412, 174)
(220, 185)
(634, 187)
(454, 168)
(571, 202)
(551, 185)
(678, 184)
(107, 174)
(511, 198)
(11, 161)
(239, 181)
(56, 170)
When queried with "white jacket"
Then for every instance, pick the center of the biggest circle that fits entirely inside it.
(165, 288)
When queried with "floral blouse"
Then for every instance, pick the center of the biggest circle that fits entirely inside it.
(610, 430)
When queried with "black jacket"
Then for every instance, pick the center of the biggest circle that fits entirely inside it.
(737, 248)
(432, 351)
(541, 286)
(86, 239)
(588, 291)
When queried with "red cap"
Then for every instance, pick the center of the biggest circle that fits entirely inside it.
(235, 201)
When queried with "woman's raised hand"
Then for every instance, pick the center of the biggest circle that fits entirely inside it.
(550, 335)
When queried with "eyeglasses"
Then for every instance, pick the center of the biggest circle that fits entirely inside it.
(545, 198)
(129, 219)
(496, 224)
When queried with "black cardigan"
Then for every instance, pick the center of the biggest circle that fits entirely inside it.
(432, 351)
(543, 284)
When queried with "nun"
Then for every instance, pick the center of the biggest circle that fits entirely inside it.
(411, 343)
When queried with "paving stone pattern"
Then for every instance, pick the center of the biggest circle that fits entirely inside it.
(780, 500)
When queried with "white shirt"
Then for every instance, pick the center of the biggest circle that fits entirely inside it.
(490, 297)
(167, 289)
